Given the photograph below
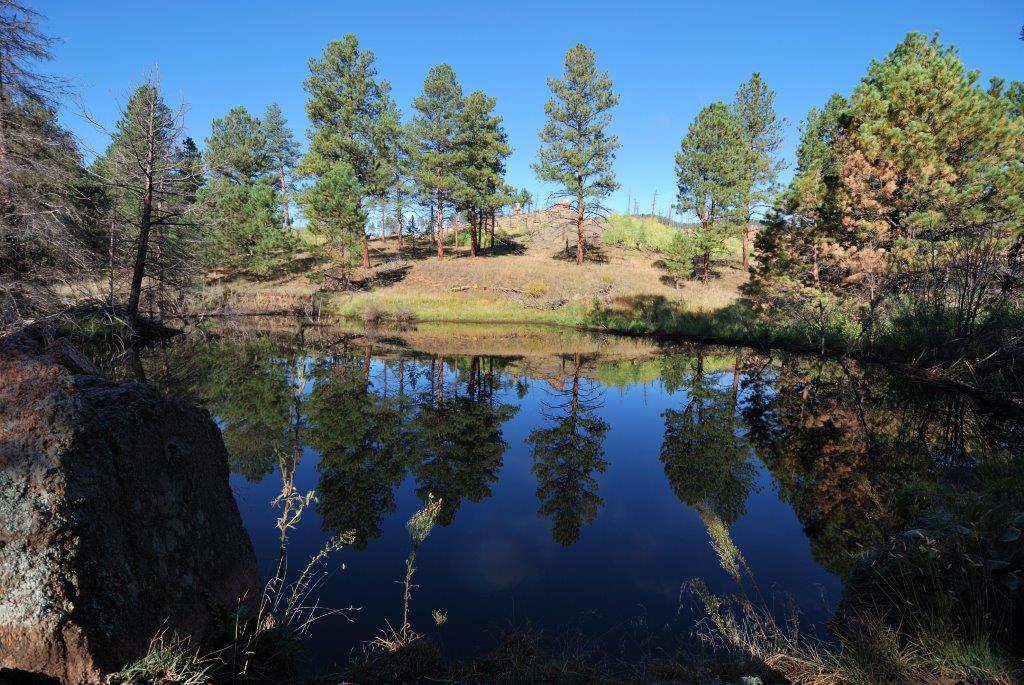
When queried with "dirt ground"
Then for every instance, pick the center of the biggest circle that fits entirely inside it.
(528, 275)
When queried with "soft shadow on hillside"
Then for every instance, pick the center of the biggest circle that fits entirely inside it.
(592, 253)
(734, 323)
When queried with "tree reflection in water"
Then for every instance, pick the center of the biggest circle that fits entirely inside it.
(568, 454)
(840, 440)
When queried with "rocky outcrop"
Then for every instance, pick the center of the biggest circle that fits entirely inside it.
(117, 521)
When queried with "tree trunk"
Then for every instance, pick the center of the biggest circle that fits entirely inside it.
(3, 115)
(398, 216)
(706, 267)
(579, 231)
(366, 249)
(493, 221)
(110, 264)
(746, 251)
(144, 226)
(474, 223)
(284, 199)
(439, 230)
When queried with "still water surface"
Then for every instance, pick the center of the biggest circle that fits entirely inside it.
(581, 478)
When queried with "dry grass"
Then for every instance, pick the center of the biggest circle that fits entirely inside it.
(527, 278)
(533, 281)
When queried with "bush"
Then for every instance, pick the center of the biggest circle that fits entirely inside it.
(373, 315)
(535, 289)
(681, 256)
(404, 315)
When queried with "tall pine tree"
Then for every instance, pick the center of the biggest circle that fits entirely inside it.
(754, 108)
(711, 173)
(283, 151)
(153, 184)
(577, 151)
(435, 130)
(350, 111)
(484, 147)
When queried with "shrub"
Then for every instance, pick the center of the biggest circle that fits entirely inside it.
(372, 315)
(681, 255)
(403, 315)
(535, 289)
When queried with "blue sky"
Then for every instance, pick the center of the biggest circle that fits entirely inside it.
(667, 60)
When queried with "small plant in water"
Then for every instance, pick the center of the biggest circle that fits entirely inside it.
(418, 527)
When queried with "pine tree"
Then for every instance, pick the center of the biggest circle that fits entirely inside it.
(334, 206)
(930, 176)
(245, 228)
(483, 148)
(43, 238)
(151, 185)
(237, 148)
(283, 151)
(754, 108)
(711, 173)
(577, 152)
(435, 130)
(351, 116)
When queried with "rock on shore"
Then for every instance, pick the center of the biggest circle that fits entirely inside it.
(117, 521)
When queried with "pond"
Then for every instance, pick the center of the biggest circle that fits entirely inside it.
(583, 481)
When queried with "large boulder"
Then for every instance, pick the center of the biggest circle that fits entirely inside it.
(117, 521)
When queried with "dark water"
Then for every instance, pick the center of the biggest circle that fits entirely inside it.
(583, 482)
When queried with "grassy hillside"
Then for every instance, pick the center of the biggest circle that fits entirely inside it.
(528, 276)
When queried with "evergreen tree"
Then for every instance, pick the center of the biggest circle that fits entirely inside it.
(435, 128)
(577, 152)
(352, 118)
(930, 187)
(283, 152)
(246, 230)
(754, 108)
(237, 148)
(243, 228)
(484, 147)
(45, 195)
(334, 206)
(711, 175)
(907, 202)
(152, 185)
(190, 162)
